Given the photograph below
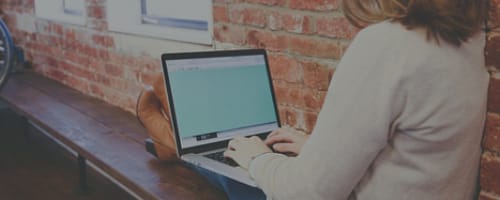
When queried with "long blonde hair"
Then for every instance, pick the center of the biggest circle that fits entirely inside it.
(453, 21)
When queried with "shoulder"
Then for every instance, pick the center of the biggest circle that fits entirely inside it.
(383, 39)
(383, 31)
(379, 43)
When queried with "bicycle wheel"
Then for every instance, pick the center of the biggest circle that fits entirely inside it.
(6, 52)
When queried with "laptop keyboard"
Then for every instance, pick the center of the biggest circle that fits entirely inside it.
(219, 156)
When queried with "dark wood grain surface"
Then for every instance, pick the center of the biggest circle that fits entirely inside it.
(107, 136)
(35, 167)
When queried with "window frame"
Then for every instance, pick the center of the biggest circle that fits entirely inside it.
(70, 11)
(135, 19)
(55, 10)
(171, 21)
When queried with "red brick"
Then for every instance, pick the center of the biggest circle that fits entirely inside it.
(492, 133)
(310, 119)
(56, 29)
(28, 46)
(335, 27)
(101, 79)
(280, 93)
(55, 74)
(38, 58)
(284, 68)
(42, 48)
(76, 71)
(56, 50)
(316, 76)
(55, 41)
(494, 95)
(38, 68)
(146, 77)
(71, 45)
(112, 96)
(291, 22)
(131, 62)
(42, 38)
(268, 2)
(52, 62)
(77, 38)
(96, 66)
(33, 37)
(313, 100)
(488, 196)
(128, 104)
(11, 21)
(220, 13)
(103, 40)
(288, 116)
(42, 27)
(132, 88)
(77, 58)
(135, 75)
(77, 83)
(116, 58)
(248, 16)
(98, 12)
(315, 47)
(96, 90)
(493, 50)
(113, 70)
(97, 24)
(495, 13)
(490, 173)
(230, 34)
(118, 84)
(29, 4)
(281, 112)
(103, 54)
(89, 51)
(317, 5)
(267, 40)
(295, 97)
(331, 71)
(289, 95)
(70, 34)
(150, 64)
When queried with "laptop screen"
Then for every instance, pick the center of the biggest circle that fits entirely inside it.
(216, 98)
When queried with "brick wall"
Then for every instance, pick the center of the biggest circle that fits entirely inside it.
(490, 163)
(305, 40)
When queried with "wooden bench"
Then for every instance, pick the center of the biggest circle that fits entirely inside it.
(108, 137)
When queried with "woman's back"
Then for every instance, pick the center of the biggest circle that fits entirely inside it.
(433, 147)
(404, 114)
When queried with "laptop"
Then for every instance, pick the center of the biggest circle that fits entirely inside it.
(215, 96)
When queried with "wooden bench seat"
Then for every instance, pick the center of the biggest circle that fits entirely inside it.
(107, 136)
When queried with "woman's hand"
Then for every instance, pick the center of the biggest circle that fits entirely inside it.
(243, 150)
(286, 140)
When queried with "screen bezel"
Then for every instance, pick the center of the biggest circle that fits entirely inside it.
(210, 54)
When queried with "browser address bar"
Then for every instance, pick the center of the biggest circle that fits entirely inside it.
(214, 63)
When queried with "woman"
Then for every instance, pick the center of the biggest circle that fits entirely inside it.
(403, 117)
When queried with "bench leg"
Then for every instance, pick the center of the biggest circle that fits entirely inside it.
(82, 174)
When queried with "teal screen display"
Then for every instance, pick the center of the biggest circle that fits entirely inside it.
(208, 100)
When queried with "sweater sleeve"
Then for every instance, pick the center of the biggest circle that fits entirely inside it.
(364, 99)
